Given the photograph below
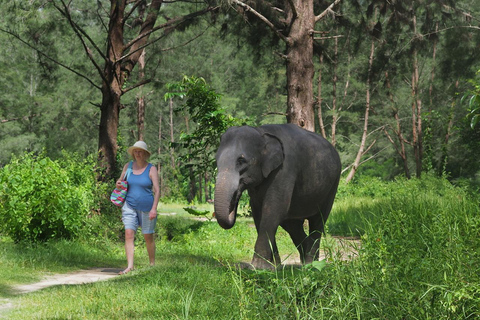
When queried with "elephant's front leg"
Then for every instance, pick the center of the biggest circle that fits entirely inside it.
(266, 253)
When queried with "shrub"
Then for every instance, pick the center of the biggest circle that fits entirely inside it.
(42, 199)
(174, 228)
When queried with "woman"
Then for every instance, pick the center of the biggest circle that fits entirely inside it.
(140, 208)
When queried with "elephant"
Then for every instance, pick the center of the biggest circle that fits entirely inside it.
(290, 174)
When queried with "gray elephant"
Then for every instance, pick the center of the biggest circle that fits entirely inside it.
(291, 174)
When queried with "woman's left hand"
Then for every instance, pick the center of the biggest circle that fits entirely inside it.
(153, 214)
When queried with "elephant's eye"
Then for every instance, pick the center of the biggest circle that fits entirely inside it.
(241, 164)
(241, 161)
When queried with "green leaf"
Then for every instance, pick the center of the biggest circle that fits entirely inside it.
(319, 265)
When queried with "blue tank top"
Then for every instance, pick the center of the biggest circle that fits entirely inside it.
(140, 194)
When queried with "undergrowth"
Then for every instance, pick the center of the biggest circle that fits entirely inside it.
(417, 258)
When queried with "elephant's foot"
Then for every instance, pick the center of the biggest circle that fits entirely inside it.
(259, 262)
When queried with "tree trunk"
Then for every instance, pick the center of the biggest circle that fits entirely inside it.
(443, 161)
(192, 185)
(200, 187)
(432, 75)
(416, 110)
(117, 68)
(111, 91)
(206, 191)
(334, 95)
(159, 151)
(299, 21)
(320, 98)
(398, 131)
(141, 99)
(172, 139)
(361, 149)
(300, 68)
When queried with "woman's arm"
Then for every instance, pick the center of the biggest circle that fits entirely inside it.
(156, 191)
(119, 180)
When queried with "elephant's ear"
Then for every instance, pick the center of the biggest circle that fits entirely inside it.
(272, 154)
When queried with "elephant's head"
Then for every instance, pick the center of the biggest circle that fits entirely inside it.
(245, 157)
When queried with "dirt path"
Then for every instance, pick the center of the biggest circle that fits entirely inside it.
(72, 278)
(77, 277)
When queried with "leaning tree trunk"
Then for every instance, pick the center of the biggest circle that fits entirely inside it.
(361, 149)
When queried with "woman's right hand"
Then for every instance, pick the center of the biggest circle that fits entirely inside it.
(119, 183)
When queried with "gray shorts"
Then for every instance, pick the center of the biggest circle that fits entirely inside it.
(132, 219)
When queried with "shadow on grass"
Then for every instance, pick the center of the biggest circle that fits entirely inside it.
(53, 256)
(7, 291)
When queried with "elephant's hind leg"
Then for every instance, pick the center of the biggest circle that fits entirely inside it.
(299, 237)
(316, 226)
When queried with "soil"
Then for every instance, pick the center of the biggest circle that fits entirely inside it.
(78, 277)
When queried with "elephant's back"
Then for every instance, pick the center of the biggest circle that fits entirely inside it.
(299, 143)
(311, 161)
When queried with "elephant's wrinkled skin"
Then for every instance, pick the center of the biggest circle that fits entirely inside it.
(290, 174)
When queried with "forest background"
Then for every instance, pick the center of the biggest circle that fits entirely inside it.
(393, 85)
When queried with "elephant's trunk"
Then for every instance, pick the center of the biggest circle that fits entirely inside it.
(227, 194)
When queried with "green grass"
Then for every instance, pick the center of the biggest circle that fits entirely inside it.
(418, 259)
(177, 208)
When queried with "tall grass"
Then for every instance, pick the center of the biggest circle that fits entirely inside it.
(418, 259)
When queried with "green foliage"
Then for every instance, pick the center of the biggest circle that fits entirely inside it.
(199, 213)
(211, 120)
(41, 199)
(418, 258)
(473, 98)
(422, 248)
(174, 228)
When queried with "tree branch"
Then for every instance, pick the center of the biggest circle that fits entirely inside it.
(326, 38)
(370, 158)
(19, 118)
(185, 43)
(326, 11)
(449, 28)
(49, 58)
(79, 32)
(139, 84)
(294, 9)
(169, 23)
(262, 18)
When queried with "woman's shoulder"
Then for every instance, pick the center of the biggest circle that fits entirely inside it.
(152, 167)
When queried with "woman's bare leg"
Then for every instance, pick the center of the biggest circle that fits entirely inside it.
(129, 249)
(150, 242)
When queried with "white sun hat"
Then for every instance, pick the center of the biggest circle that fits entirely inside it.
(138, 145)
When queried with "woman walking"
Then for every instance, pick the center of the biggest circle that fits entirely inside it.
(140, 207)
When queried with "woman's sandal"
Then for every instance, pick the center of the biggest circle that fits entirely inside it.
(125, 271)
